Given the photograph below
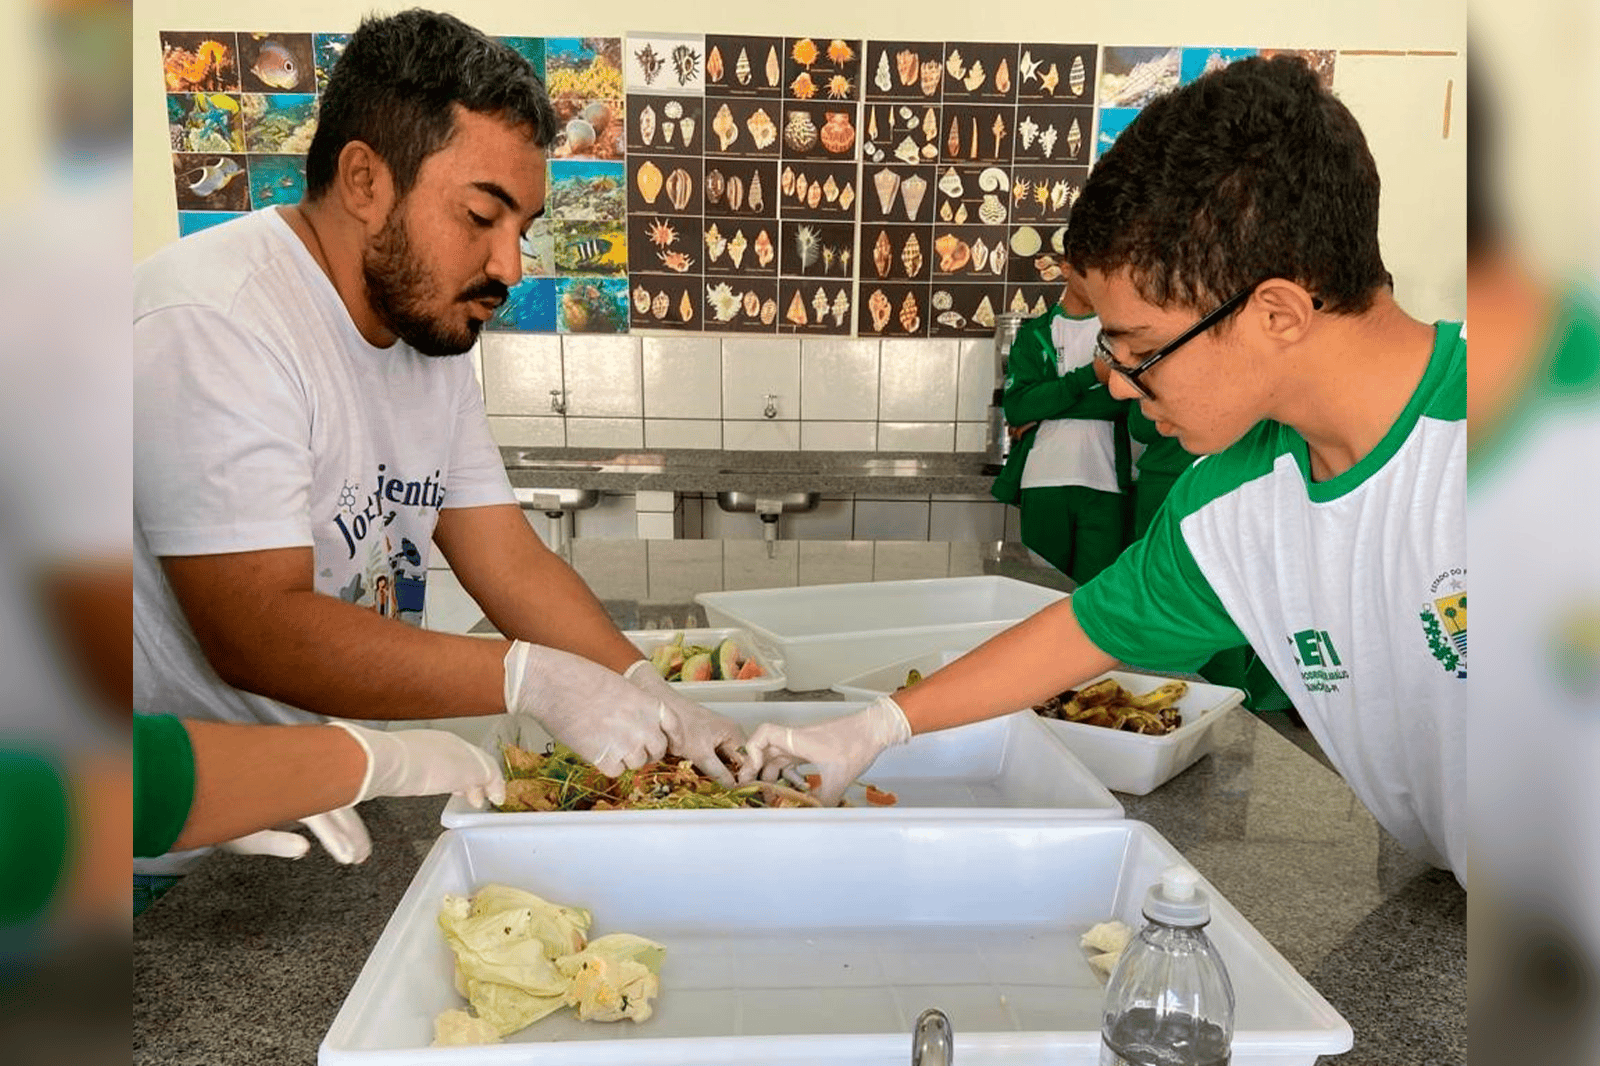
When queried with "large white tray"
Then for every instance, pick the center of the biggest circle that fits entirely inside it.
(1009, 762)
(815, 940)
(826, 633)
(647, 640)
(1137, 764)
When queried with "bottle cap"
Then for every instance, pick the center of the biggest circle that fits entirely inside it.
(1177, 899)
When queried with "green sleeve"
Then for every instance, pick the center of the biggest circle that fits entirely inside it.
(1153, 607)
(34, 835)
(1033, 390)
(163, 782)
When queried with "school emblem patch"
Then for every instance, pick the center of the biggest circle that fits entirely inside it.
(1444, 620)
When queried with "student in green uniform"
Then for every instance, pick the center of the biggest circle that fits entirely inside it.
(1071, 461)
(1230, 241)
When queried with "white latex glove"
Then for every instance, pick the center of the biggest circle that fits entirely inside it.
(841, 750)
(697, 734)
(425, 762)
(590, 709)
(342, 833)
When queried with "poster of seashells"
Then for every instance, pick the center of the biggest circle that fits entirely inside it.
(892, 310)
(665, 244)
(1045, 195)
(744, 66)
(1031, 300)
(902, 133)
(816, 305)
(1197, 61)
(665, 301)
(899, 254)
(904, 70)
(980, 73)
(741, 304)
(1053, 134)
(664, 183)
(977, 134)
(741, 188)
(818, 250)
(822, 71)
(1033, 255)
(898, 194)
(742, 248)
(666, 125)
(808, 189)
(1132, 77)
(827, 132)
(1056, 73)
(664, 64)
(971, 195)
(742, 127)
(964, 310)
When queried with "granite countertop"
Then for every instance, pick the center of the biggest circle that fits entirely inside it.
(248, 959)
(701, 470)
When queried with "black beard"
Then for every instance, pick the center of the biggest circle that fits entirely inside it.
(398, 287)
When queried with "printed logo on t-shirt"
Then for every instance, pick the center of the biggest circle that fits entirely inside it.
(1444, 620)
(1320, 666)
(390, 577)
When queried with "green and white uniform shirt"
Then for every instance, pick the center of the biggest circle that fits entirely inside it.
(1353, 591)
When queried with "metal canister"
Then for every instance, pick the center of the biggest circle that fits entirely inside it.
(997, 442)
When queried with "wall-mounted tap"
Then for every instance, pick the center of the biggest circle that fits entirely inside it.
(558, 401)
(771, 410)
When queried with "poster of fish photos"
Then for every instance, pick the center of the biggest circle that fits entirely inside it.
(740, 184)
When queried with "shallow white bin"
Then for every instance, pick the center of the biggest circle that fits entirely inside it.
(647, 640)
(818, 941)
(883, 680)
(1010, 762)
(826, 633)
(1137, 764)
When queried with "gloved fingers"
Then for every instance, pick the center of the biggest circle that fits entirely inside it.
(656, 745)
(495, 793)
(272, 842)
(636, 758)
(342, 833)
(712, 766)
(610, 763)
(493, 788)
(833, 786)
(795, 778)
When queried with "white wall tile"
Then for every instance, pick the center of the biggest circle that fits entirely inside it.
(909, 436)
(918, 380)
(1013, 524)
(832, 563)
(970, 436)
(602, 377)
(519, 370)
(613, 569)
(605, 432)
(975, 384)
(752, 367)
(761, 436)
(839, 379)
(682, 433)
(832, 520)
(655, 500)
(613, 518)
(657, 525)
(967, 558)
(681, 568)
(909, 562)
(838, 436)
(683, 377)
(516, 432)
(964, 520)
(891, 520)
(745, 565)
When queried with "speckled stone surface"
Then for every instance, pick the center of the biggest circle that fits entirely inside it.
(698, 470)
(248, 960)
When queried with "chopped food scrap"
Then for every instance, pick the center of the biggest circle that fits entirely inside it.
(1107, 703)
(677, 661)
(1107, 940)
(880, 797)
(559, 780)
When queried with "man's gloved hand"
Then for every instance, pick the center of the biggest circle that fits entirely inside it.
(590, 709)
(841, 750)
(694, 732)
(424, 762)
(342, 833)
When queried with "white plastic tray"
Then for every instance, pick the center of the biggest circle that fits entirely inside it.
(647, 640)
(1009, 762)
(883, 680)
(1137, 764)
(827, 633)
(813, 940)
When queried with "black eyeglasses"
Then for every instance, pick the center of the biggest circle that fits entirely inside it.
(1102, 350)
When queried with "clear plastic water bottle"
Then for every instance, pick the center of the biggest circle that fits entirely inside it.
(1169, 1001)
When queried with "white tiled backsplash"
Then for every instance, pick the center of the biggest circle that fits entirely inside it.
(542, 390)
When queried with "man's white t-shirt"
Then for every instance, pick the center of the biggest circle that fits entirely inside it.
(263, 419)
(1072, 451)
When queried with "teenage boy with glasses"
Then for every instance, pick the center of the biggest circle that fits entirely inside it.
(1230, 242)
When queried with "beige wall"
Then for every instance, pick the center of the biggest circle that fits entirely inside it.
(1399, 99)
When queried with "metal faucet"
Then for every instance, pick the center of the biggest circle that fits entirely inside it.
(558, 401)
(771, 410)
(932, 1042)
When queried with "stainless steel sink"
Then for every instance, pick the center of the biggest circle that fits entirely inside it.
(555, 501)
(768, 503)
